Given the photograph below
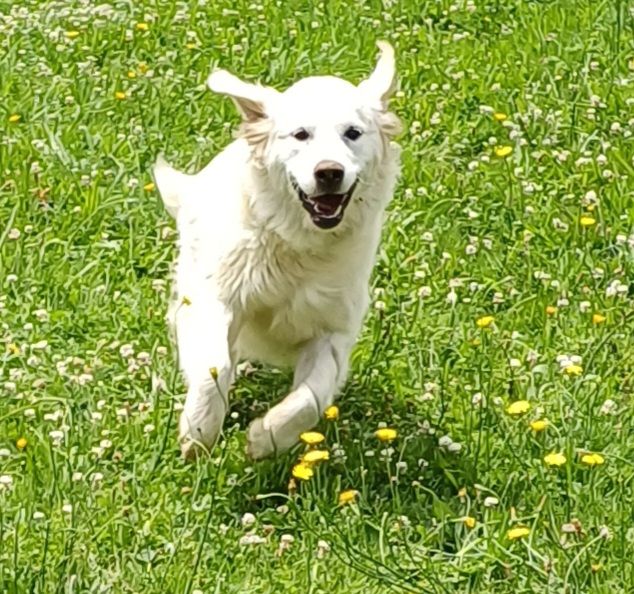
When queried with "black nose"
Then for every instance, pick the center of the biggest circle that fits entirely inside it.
(329, 174)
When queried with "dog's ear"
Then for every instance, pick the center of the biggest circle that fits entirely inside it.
(250, 99)
(381, 83)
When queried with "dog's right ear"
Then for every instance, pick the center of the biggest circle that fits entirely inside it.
(251, 100)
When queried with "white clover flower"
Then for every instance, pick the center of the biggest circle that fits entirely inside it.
(251, 540)
(445, 441)
(57, 436)
(247, 520)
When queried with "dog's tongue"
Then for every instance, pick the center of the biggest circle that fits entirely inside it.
(327, 204)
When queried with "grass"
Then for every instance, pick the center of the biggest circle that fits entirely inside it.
(97, 500)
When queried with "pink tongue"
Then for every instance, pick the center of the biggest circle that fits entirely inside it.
(327, 204)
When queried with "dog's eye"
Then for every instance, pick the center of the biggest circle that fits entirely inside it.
(352, 133)
(301, 134)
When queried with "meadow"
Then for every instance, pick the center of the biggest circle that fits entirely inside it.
(499, 347)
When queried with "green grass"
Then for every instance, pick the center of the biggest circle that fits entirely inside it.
(94, 247)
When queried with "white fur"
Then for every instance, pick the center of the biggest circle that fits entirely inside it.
(255, 278)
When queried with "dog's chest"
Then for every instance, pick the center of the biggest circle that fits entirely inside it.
(282, 298)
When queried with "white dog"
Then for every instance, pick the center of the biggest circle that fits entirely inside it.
(277, 239)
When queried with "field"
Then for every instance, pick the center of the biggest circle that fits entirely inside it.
(500, 344)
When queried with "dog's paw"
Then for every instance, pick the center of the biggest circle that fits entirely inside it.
(192, 450)
(260, 443)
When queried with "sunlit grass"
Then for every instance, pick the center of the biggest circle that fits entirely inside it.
(484, 441)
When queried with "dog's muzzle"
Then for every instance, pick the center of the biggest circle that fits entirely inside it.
(325, 210)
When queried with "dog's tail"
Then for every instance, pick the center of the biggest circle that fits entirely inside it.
(170, 185)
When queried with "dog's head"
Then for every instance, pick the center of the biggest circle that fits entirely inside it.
(320, 140)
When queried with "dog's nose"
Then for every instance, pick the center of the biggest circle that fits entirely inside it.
(329, 174)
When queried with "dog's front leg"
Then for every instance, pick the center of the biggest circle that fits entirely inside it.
(203, 329)
(321, 369)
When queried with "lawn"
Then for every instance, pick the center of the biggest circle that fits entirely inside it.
(500, 343)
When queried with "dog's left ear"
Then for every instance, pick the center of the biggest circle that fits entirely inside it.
(382, 82)
(251, 100)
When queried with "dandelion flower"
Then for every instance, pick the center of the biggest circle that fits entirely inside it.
(587, 221)
(142, 26)
(551, 310)
(120, 95)
(593, 459)
(348, 496)
(539, 425)
(519, 407)
(386, 434)
(469, 522)
(331, 413)
(573, 370)
(72, 34)
(149, 186)
(555, 459)
(485, 321)
(21, 443)
(315, 456)
(498, 116)
(131, 74)
(503, 151)
(312, 437)
(14, 118)
(597, 318)
(519, 532)
(302, 471)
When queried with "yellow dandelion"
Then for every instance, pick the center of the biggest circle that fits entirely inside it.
(539, 425)
(503, 151)
(149, 186)
(142, 26)
(551, 310)
(131, 74)
(597, 318)
(120, 95)
(21, 443)
(312, 437)
(498, 116)
(587, 221)
(348, 496)
(485, 321)
(519, 532)
(302, 471)
(331, 413)
(519, 407)
(573, 370)
(72, 34)
(555, 459)
(593, 459)
(14, 118)
(315, 456)
(13, 348)
(190, 46)
(469, 522)
(386, 434)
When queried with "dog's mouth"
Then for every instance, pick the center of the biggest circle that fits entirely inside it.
(325, 210)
